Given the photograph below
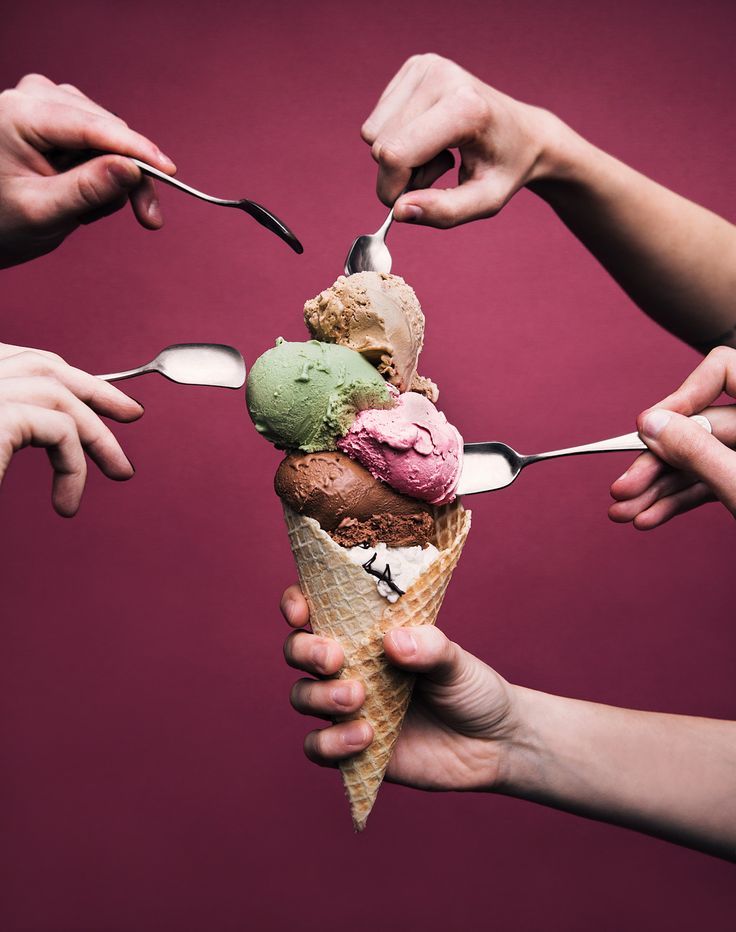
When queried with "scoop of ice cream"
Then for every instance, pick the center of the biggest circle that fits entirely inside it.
(379, 316)
(303, 396)
(411, 446)
(349, 503)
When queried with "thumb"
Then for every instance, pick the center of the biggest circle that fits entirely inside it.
(686, 445)
(449, 207)
(425, 649)
(90, 188)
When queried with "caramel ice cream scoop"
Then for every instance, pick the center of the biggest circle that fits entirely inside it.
(379, 316)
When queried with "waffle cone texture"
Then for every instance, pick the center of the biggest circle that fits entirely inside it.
(345, 605)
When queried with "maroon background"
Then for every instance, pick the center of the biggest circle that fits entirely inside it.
(152, 773)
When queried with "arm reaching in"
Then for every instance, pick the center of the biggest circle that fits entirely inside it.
(687, 466)
(673, 776)
(676, 260)
(46, 403)
(43, 124)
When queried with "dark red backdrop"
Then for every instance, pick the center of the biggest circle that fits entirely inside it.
(152, 773)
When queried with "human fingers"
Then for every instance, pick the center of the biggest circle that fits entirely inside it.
(664, 509)
(48, 125)
(327, 697)
(644, 471)
(101, 396)
(96, 438)
(426, 175)
(427, 650)
(647, 469)
(457, 118)
(715, 374)
(450, 207)
(313, 654)
(294, 607)
(685, 445)
(146, 205)
(329, 745)
(38, 85)
(24, 425)
(667, 484)
(84, 193)
(397, 94)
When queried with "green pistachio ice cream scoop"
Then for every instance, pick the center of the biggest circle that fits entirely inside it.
(304, 396)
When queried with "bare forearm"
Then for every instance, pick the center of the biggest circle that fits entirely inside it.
(672, 776)
(675, 259)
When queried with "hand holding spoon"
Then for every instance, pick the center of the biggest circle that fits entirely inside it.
(193, 364)
(490, 466)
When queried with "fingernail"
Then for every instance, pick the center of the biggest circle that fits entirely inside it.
(404, 641)
(410, 213)
(655, 422)
(124, 174)
(622, 476)
(355, 736)
(165, 158)
(367, 129)
(154, 211)
(342, 695)
(131, 466)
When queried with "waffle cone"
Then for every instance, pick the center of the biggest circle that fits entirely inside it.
(345, 604)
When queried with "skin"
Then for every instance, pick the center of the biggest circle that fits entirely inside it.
(44, 402)
(686, 467)
(45, 126)
(675, 259)
(469, 729)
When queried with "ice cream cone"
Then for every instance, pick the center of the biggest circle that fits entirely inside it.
(345, 604)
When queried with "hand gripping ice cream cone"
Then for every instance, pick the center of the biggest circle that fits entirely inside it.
(345, 605)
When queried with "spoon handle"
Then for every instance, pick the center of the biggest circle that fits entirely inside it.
(186, 188)
(127, 374)
(624, 442)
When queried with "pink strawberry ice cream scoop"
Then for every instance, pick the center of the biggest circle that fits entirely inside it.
(411, 447)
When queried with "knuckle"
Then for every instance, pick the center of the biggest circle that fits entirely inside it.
(388, 153)
(90, 190)
(473, 105)
(435, 63)
(32, 79)
(52, 388)
(68, 424)
(9, 99)
(39, 364)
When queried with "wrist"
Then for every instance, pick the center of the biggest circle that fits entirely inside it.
(563, 160)
(520, 757)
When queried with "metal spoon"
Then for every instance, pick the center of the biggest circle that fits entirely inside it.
(369, 252)
(193, 364)
(257, 211)
(490, 466)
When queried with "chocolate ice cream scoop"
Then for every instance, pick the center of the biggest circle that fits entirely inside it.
(352, 506)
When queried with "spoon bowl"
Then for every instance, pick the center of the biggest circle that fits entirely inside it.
(369, 252)
(193, 364)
